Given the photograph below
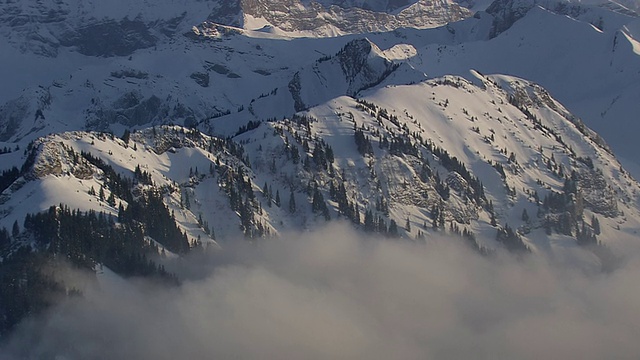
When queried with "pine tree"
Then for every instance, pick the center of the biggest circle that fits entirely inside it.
(434, 212)
(306, 164)
(111, 200)
(246, 216)
(407, 225)
(329, 154)
(393, 229)
(15, 231)
(278, 198)
(382, 225)
(295, 155)
(547, 225)
(187, 203)
(595, 224)
(137, 173)
(121, 213)
(292, 202)
(126, 136)
(369, 226)
(318, 205)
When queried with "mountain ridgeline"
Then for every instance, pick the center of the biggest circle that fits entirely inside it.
(157, 132)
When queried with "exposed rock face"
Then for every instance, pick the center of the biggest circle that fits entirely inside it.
(228, 13)
(598, 196)
(95, 28)
(98, 29)
(361, 63)
(25, 110)
(110, 38)
(292, 16)
(54, 158)
(374, 5)
(11, 116)
(507, 12)
(457, 182)
(132, 109)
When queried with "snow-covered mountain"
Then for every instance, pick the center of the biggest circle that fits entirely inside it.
(248, 119)
(295, 18)
(170, 65)
(119, 28)
(441, 154)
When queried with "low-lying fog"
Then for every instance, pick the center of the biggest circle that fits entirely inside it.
(333, 294)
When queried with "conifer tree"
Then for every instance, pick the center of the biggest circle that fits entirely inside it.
(111, 200)
(369, 225)
(595, 224)
(393, 229)
(15, 231)
(187, 203)
(292, 202)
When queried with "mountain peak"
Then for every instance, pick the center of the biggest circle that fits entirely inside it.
(331, 18)
(604, 16)
(359, 53)
(359, 65)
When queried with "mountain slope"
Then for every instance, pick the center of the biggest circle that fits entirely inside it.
(360, 64)
(228, 81)
(495, 163)
(296, 18)
(178, 68)
(445, 145)
(138, 135)
(594, 73)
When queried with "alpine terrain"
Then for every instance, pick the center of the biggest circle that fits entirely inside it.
(136, 133)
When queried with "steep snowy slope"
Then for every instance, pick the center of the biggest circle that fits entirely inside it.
(442, 155)
(595, 73)
(135, 135)
(606, 18)
(359, 65)
(228, 81)
(166, 84)
(166, 70)
(491, 161)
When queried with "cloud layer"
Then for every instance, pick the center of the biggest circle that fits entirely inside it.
(333, 295)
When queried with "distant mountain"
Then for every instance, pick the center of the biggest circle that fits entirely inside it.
(294, 18)
(119, 28)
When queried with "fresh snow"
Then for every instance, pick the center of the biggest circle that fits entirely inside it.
(217, 78)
